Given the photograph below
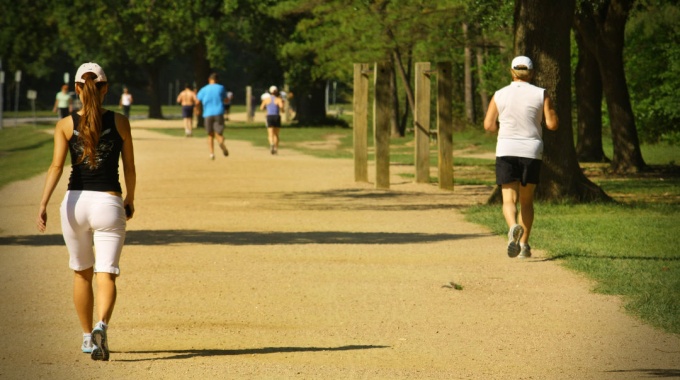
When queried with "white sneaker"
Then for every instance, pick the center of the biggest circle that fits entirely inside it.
(87, 344)
(525, 253)
(100, 350)
(514, 235)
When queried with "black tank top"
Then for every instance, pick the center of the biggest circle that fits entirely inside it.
(104, 177)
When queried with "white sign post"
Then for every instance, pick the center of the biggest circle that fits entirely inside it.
(65, 78)
(17, 80)
(2, 91)
(32, 95)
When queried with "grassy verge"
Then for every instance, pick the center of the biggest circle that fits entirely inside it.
(628, 248)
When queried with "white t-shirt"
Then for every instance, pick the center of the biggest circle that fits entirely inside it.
(126, 99)
(520, 113)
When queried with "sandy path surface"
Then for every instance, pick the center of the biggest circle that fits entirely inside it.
(275, 267)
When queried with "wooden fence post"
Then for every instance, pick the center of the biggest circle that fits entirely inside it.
(381, 124)
(249, 104)
(421, 122)
(445, 124)
(287, 111)
(360, 124)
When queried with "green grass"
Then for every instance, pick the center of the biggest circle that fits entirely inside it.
(24, 152)
(629, 248)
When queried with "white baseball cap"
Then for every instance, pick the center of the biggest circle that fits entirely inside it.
(272, 89)
(90, 67)
(520, 61)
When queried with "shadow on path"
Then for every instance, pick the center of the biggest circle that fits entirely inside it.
(165, 237)
(188, 354)
(656, 372)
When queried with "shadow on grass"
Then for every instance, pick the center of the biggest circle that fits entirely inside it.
(583, 255)
(193, 353)
(166, 237)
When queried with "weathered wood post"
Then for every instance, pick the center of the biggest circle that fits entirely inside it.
(381, 124)
(249, 104)
(421, 122)
(445, 124)
(287, 111)
(360, 124)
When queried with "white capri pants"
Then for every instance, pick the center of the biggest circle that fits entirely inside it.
(97, 217)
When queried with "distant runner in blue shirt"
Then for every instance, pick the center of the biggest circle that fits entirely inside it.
(273, 104)
(211, 97)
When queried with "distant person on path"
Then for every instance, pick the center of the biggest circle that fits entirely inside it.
(63, 102)
(227, 104)
(188, 100)
(93, 211)
(516, 112)
(273, 105)
(126, 102)
(211, 99)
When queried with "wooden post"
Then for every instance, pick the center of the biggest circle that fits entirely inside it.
(381, 124)
(360, 124)
(286, 103)
(421, 122)
(445, 124)
(249, 104)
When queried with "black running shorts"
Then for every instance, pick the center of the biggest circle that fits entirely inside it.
(517, 169)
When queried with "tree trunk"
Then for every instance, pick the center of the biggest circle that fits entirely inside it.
(394, 110)
(483, 95)
(201, 73)
(588, 84)
(311, 102)
(543, 33)
(467, 72)
(603, 30)
(404, 117)
(153, 91)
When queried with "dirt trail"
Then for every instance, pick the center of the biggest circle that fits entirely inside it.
(274, 267)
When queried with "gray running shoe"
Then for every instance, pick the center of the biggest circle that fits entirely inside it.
(525, 253)
(100, 351)
(87, 344)
(514, 235)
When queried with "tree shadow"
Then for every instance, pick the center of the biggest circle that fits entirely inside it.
(193, 353)
(651, 372)
(243, 238)
(374, 200)
(580, 254)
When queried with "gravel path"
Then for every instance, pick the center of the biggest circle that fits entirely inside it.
(275, 267)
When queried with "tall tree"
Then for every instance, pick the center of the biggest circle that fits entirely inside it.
(543, 33)
(601, 26)
(339, 33)
(588, 87)
(28, 36)
(137, 36)
(652, 56)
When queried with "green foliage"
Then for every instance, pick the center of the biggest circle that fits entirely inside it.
(28, 36)
(653, 68)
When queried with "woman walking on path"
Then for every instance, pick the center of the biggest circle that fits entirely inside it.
(516, 112)
(63, 102)
(274, 106)
(187, 99)
(93, 210)
(126, 102)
